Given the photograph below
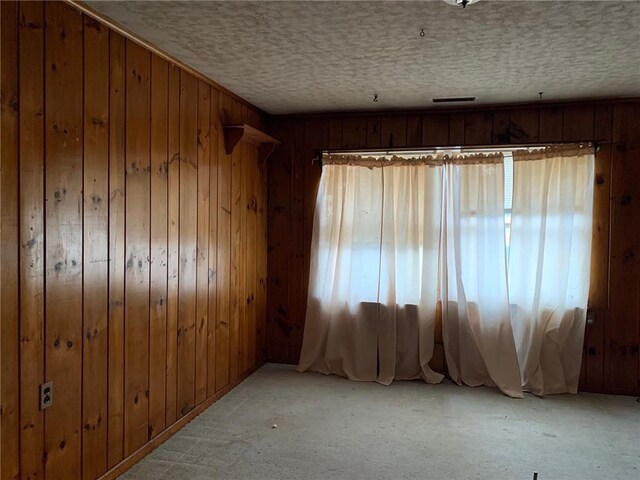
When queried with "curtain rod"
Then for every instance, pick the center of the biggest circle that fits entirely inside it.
(467, 148)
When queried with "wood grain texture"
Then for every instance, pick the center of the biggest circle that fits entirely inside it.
(624, 322)
(551, 124)
(614, 241)
(159, 244)
(96, 250)
(202, 262)
(224, 253)
(279, 245)
(9, 246)
(435, 129)
(478, 128)
(31, 148)
(236, 307)
(63, 238)
(577, 123)
(137, 228)
(173, 243)
(117, 190)
(296, 254)
(524, 125)
(214, 139)
(188, 241)
(354, 130)
(394, 131)
(104, 188)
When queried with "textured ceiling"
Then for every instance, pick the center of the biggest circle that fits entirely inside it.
(288, 57)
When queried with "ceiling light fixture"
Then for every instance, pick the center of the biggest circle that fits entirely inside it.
(461, 3)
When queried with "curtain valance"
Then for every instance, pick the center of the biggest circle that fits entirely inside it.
(554, 151)
(374, 161)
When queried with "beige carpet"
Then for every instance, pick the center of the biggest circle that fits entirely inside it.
(332, 428)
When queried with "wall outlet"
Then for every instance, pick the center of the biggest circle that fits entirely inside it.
(46, 395)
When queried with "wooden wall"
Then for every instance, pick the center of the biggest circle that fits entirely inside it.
(611, 359)
(133, 249)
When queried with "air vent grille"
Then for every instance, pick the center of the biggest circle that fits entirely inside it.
(454, 99)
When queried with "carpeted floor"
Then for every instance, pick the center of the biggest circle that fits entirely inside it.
(332, 428)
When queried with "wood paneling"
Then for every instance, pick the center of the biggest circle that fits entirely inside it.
(63, 238)
(214, 141)
(137, 234)
(173, 240)
(159, 230)
(202, 262)
(611, 342)
(9, 246)
(96, 249)
(623, 328)
(31, 51)
(188, 241)
(117, 190)
(223, 260)
(110, 227)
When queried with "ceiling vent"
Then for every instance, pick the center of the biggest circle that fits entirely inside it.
(454, 99)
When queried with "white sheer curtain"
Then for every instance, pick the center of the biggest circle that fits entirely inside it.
(372, 302)
(476, 324)
(549, 262)
(393, 237)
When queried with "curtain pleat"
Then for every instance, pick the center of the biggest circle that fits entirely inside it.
(374, 273)
(396, 238)
(549, 265)
(477, 332)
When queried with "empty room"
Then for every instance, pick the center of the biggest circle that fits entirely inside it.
(320, 240)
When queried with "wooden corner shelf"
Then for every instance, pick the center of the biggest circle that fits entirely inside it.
(234, 133)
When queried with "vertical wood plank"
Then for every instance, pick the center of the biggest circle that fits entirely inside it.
(173, 243)
(414, 130)
(96, 249)
(297, 296)
(251, 258)
(551, 124)
(315, 133)
(9, 240)
(435, 129)
(624, 321)
(478, 128)
(235, 282)
(578, 123)
(159, 245)
(240, 258)
(279, 245)
(599, 286)
(137, 205)
(235, 295)
(524, 124)
(354, 132)
(224, 252)
(501, 133)
(456, 129)
(63, 250)
(214, 135)
(202, 295)
(335, 133)
(116, 248)
(31, 148)
(394, 131)
(188, 241)
(374, 131)
(261, 295)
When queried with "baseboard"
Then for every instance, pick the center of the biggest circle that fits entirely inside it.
(168, 432)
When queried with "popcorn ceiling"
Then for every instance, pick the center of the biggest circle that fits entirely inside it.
(291, 57)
